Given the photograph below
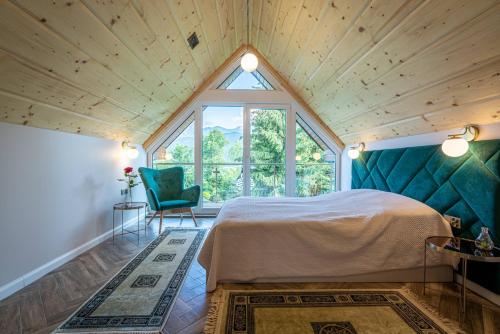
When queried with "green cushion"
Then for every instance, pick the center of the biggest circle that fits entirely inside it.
(174, 204)
(467, 187)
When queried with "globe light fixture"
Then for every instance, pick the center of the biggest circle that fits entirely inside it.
(354, 151)
(249, 62)
(457, 145)
(316, 156)
(130, 151)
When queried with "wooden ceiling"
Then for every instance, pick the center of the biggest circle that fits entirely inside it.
(369, 69)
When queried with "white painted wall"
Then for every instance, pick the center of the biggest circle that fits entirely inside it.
(56, 196)
(491, 131)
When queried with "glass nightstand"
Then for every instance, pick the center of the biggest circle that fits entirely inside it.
(126, 207)
(464, 249)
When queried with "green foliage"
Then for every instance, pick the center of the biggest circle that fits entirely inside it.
(213, 146)
(222, 181)
(182, 154)
(268, 133)
(313, 177)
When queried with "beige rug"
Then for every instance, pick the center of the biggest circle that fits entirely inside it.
(138, 299)
(347, 311)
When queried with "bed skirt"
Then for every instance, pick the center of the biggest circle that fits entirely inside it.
(434, 274)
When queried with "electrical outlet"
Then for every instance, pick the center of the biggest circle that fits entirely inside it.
(124, 191)
(455, 222)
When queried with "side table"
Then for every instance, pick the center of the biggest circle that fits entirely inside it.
(127, 207)
(466, 250)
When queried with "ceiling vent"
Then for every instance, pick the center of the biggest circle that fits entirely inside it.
(193, 40)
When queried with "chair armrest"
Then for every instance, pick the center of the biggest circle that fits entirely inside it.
(153, 199)
(191, 194)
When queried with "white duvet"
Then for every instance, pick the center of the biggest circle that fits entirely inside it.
(338, 234)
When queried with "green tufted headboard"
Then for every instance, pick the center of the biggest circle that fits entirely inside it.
(467, 187)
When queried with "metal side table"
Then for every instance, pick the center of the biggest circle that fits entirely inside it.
(464, 249)
(128, 207)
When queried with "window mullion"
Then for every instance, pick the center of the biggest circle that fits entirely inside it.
(198, 137)
(290, 153)
(246, 151)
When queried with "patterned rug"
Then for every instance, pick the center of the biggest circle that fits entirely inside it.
(322, 312)
(139, 298)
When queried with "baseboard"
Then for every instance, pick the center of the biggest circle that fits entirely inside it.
(483, 292)
(8, 289)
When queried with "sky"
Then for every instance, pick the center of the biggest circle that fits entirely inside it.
(226, 117)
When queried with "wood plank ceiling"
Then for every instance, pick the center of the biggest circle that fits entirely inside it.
(370, 69)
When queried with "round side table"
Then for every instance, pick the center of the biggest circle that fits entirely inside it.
(464, 249)
(127, 207)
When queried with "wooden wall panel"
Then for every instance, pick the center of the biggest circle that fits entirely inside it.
(370, 69)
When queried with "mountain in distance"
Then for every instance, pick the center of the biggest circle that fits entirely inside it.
(231, 135)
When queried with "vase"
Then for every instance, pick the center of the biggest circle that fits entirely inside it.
(484, 241)
(128, 197)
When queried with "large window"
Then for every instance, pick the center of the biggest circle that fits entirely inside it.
(246, 136)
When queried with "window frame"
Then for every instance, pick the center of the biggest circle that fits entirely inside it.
(278, 98)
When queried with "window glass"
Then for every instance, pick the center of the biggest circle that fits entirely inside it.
(240, 79)
(315, 163)
(179, 151)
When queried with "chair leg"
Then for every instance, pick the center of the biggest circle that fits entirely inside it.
(194, 219)
(161, 221)
(154, 215)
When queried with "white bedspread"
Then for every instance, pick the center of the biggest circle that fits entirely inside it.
(338, 234)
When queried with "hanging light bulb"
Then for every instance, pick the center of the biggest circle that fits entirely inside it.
(249, 62)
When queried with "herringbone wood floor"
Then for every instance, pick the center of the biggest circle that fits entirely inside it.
(42, 306)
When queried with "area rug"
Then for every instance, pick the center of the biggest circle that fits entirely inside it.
(139, 298)
(322, 312)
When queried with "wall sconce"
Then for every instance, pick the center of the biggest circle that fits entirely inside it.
(131, 151)
(354, 151)
(457, 145)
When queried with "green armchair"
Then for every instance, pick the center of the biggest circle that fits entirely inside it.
(165, 192)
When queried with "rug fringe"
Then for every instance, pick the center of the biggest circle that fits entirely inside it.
(215, 307)
(448, 325)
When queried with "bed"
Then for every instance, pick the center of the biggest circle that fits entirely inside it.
(358, 235)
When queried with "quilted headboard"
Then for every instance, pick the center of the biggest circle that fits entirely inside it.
(467, 187)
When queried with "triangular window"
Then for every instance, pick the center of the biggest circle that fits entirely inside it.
(178, 150)
(315, 162)
(240, 79)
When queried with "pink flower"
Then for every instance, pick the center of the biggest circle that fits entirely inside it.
(128, 170)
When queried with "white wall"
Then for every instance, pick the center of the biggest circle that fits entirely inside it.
(56, 194)
(486, 132)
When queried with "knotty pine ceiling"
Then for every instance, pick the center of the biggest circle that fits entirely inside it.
(369, 69)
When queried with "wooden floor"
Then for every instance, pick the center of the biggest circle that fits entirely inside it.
(41, 306)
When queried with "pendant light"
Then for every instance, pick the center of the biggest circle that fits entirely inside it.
(249, 61)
